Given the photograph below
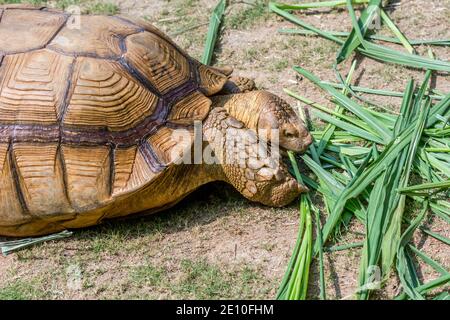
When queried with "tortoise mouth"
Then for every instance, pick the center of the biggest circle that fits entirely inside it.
(286, 162)
(284, 152)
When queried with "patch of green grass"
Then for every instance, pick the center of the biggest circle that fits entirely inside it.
(202, 279)
(249, 275)
(317, 52)
(35, 2)
(268, 246)
(64, 4)
(280, 65)
(148, 275)
(21, 290)
(106, 8)
(251, 54)
(86, 6)
(248, 17)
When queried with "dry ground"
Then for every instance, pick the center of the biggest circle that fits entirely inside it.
(215, 244)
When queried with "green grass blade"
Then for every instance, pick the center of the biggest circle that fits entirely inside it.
(352, 120)
(393, 233)
(331, 128)
(436, 266)
(345, 246)
(295, 282)
(315, 5)
(435, 235)
(425, 186)
(275, 8)
(374, 221)
(8, 247)
(379, 92)
(439, 109)
(377, 126)
(424, 288)
(349, 128)
(405, 270)
(359, 28)
(389, 55)
(322, 286)
(415, 42)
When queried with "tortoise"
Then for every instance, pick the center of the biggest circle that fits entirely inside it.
(89, 117)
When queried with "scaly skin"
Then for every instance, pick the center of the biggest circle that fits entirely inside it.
(262, 179)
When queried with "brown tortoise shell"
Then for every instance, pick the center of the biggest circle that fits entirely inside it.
(86, 114)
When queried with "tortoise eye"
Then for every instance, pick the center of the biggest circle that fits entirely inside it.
(290, 133)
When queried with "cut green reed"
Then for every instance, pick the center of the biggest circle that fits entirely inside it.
(389, 172)
(418, 189)
(344, 34)
(213, 30)
(295, 282)
(432, 263)
(356, 41)
(8, 247)
(363, 160)
(386, 175)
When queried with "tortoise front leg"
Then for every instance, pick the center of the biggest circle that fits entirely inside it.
(240, 159)
(234, 84)
(238, 85)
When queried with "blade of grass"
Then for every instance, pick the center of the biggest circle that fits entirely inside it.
(318, 106)
(393, 233)
(425, 186)
(401, 37)
(375, 216)
(277, 8)
(360, 27)
(386, 93)
(295, 283)
(8, 247)
(424, 288)
(331, 128)
(314, 5)
(377, 126)
(436, 266)
(414, 42)
(405, 268)
(344, 247)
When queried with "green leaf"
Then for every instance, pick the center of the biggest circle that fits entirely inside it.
(405, 268)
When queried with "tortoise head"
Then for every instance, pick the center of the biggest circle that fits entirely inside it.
(261, 175)
(276, 114)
